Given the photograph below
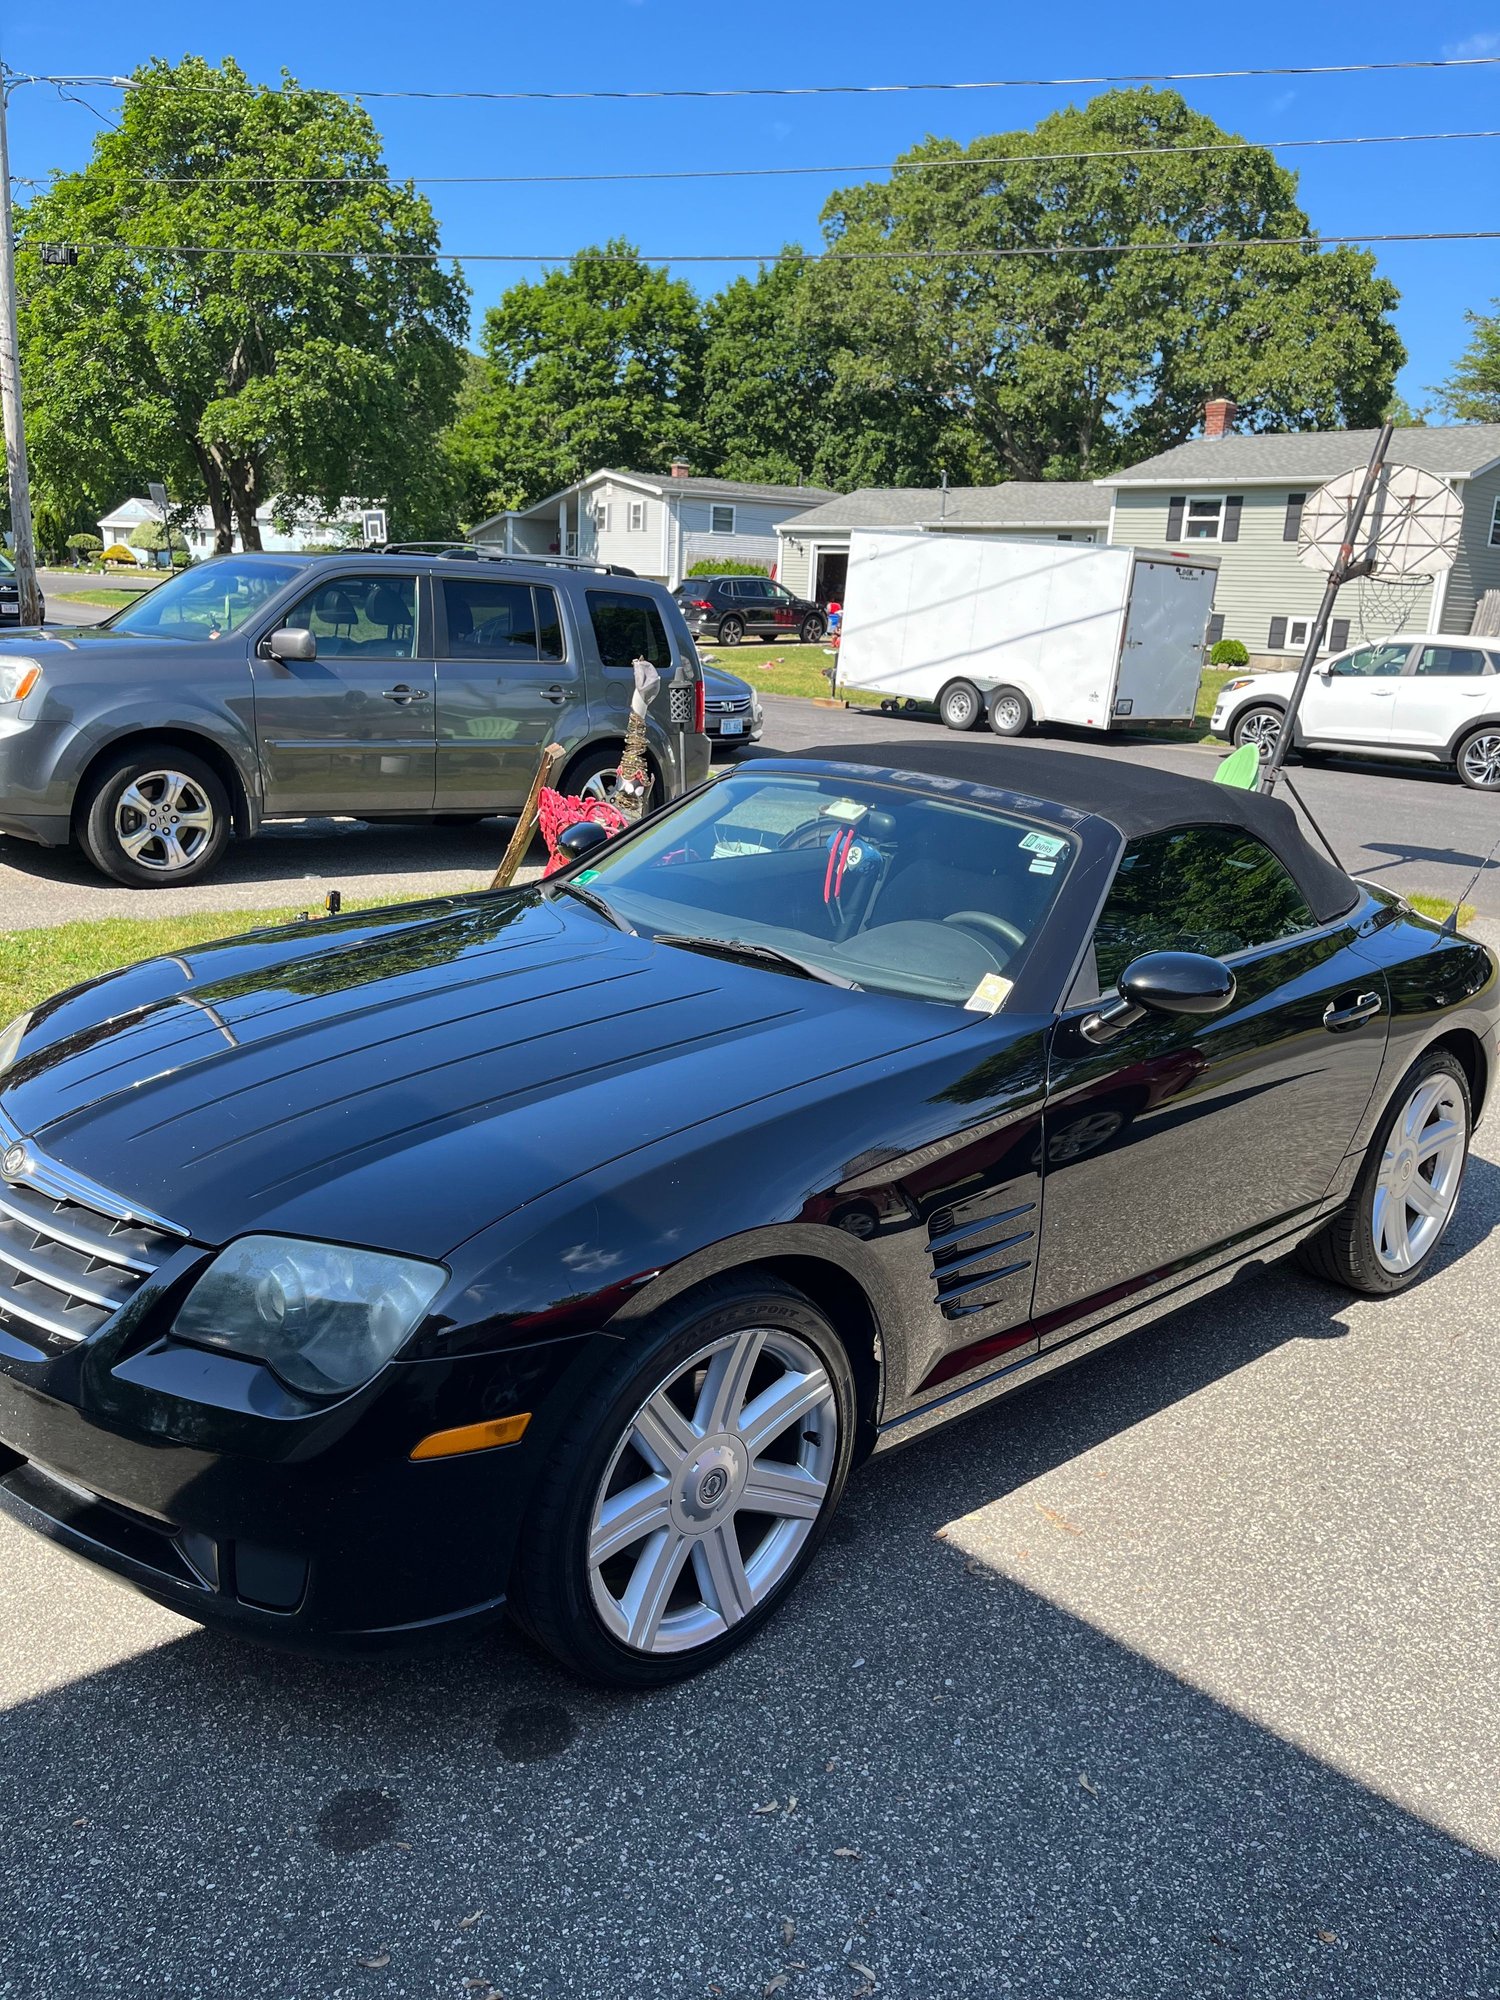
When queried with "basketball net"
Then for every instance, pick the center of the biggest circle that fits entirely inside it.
(1382, 605)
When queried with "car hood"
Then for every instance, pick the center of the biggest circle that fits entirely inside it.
(405, 1078)
(719, 686)
(62, 642)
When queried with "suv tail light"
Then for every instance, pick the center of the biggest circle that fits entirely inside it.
(699, 604)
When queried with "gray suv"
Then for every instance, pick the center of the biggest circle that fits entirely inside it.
(393, 685)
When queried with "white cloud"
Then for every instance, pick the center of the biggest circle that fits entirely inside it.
(1475, 45)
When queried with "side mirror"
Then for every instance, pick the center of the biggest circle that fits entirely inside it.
(1163, 982)
(289, 642)
(581, 838)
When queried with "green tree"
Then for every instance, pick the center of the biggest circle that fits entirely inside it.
(1066, 366)
(238, 376)
(149, 535)
(593, 365)
(1472, 391)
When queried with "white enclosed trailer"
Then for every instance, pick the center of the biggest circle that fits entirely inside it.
(1026, 631)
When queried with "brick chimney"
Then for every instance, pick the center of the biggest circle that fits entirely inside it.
(1218, 417)
(681, 469)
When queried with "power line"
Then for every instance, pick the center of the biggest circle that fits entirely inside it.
(1319, 242)
(993, 162)
(820, 89)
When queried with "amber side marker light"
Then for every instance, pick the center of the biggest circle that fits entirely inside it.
(472, 1437)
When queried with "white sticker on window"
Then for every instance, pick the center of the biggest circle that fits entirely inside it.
(848, 810)
(1039, 866)
(990, 995)
(1042, 843)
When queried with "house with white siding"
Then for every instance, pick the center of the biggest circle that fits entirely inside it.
(814, 557)
(1241, 497)
(658, 524)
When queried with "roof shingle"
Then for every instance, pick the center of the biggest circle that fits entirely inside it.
(1452, 451)
(1020, 503)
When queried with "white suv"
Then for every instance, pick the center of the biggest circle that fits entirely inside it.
(1434, 697)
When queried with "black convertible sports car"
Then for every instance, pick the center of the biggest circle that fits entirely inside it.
(565, 1247)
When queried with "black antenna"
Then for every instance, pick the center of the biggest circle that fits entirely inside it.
(1307, 814)
(1450, 922)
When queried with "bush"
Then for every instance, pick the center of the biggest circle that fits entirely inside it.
(84, 545)
(118, 553)
(729, 567)
(1228, 653)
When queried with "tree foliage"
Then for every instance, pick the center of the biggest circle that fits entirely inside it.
(233, 376)
(1472, 391)
(1067, 366)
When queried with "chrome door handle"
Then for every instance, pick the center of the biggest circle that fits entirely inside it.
(555, 694)
(1384, 693)
(402, 694)
(1365, 1008)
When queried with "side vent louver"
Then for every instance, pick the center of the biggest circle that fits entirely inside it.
(977, 1248)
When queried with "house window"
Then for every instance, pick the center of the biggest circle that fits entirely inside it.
(721, 520)
(637, 517)
(1205, 517)
(602, 512)
(1495, 527)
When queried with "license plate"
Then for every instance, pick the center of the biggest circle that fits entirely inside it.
(732, 725)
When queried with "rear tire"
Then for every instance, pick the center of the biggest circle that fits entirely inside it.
(1478, 759)
(594, 1611)
(960, 705)
(731, 631)
(1010, 712)
(1381, 1240)
(155, 817)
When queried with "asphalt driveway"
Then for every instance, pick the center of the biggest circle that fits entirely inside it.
(1410, 828)
(1175, 1677)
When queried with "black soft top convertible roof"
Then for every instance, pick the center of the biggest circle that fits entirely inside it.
(1136, 798)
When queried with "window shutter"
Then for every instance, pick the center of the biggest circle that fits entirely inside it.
(1338, 635)
(1216, 628)
(1276, 637)
(1291, 527)
(1176, 508)
(1230, 532)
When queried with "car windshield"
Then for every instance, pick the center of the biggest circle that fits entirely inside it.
(206, 602)
(7, 567)
(864, 882)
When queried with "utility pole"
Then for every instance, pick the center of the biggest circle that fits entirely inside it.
(1343, 569)
(28, 591)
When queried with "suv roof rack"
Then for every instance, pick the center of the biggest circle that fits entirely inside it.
(465, 551)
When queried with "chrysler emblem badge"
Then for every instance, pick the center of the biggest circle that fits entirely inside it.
(14, 1163)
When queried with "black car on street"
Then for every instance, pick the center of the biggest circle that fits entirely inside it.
(564, 1248)
(728, 609)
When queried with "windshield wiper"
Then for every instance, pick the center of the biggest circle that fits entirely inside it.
(768, 954)
(594, 902)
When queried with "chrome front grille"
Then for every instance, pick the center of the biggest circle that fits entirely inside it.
(70, 1254)
(738, 707)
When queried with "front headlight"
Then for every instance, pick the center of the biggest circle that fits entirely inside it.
(18, 677)
(1230, 686)
(10, 1040)
(323, 1319)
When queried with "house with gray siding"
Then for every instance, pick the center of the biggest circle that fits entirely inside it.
(658, 524)
(1241, 498)
(814, 558)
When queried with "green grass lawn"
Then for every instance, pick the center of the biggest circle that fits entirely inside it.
(104, 595)
(36, 963)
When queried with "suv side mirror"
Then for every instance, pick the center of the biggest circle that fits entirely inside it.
(289, 642)
(1163, 982)
(581, 838)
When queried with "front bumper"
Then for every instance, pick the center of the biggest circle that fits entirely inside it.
(347, 1546)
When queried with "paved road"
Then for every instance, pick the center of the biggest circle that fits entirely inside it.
(1175, 1678)
(1412, 829)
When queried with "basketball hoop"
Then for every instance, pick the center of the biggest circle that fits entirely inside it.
(1382, 605)
(1409, 532)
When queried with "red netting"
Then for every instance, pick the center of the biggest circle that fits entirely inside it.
(556, 812)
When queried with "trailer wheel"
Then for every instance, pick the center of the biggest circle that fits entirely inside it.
(1010, 712)
(960, 705)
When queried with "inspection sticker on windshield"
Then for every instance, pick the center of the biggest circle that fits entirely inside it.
(990, 995)
(1045, 845)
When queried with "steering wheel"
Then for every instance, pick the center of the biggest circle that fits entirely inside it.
(811, 833)
(990, 925)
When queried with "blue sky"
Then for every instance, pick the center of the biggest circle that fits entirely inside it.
(642, 44)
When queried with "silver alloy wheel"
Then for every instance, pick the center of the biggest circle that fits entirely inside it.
(1479, 759)
(1262, 727)
(712, 1492)
(1007, 714)
(603, 785)
(163, 820)
(1419, 1175)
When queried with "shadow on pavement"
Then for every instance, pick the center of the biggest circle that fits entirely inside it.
(896, 1770)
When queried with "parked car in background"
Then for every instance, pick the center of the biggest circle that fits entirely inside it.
(1434, 698)
(382, 686)
(731, 608)
(10, 594)
(565, 1247)
(731, 709)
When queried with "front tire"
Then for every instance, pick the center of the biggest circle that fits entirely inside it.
(960, 705)
(813, 628)
(1260, 724)
(1478, 760)
(691, 1488)
(155, 817)
(1384, 1236)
